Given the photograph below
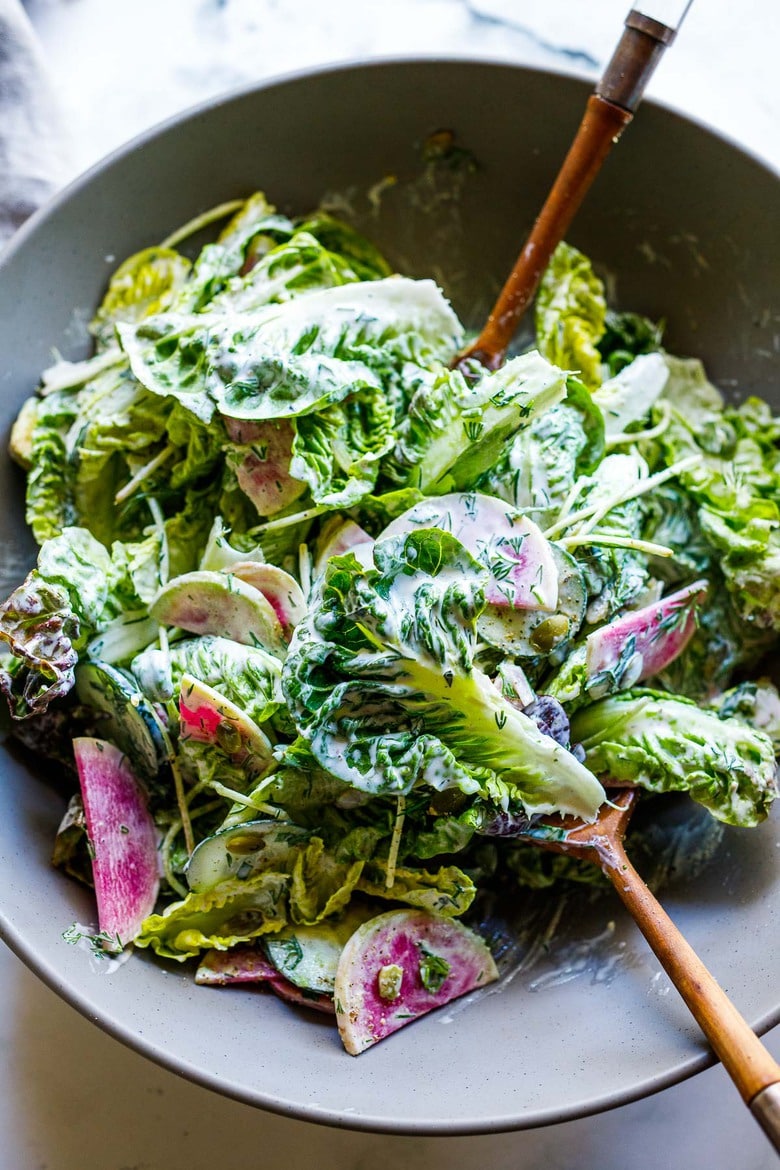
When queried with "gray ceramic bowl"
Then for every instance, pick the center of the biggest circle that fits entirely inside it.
(686, 227)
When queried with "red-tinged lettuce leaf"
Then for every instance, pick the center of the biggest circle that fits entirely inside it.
(40, 627)
(122, 836)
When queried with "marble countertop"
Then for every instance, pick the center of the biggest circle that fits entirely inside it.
(73, 1098)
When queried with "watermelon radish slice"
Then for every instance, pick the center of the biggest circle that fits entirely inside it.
(249, 965)
(654, 636)
(400, 965)
(530, 633)
(207, 602)
(520, 559)
(278, 588)
(208, 717)
(241, 964)
(123, 839)
(343, 538)
(261, 463)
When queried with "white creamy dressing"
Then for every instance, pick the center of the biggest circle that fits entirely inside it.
(630, 395)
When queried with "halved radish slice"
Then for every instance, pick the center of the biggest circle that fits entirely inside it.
(647, 640)
(261, 463)
(206, 602)
(278, 588)
(123, 839)
(249, 965)
(242, 964)
(400, 965)
(208, 717)
(520, 559)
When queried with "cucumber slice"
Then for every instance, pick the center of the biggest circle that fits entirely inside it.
(205, 602)
(125, 716)
(247, 964)
(309, 955)
(529, 634)
(242, 850)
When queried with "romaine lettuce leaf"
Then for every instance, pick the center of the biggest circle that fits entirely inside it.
(538, 468)
(231, 912)
(735, 482)
(281, 361)
(337, 451)
(381, 682)
(246, 675)
(570, 314)
(49, 492)
(145, 284)
(454, 431)
(668, 744)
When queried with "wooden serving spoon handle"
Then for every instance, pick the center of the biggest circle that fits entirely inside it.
(609, 110)
(751, 1067)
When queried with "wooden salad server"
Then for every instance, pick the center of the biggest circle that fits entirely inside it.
(751, 1067)
(609, 110)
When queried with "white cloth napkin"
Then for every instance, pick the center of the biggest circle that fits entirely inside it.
(33, 139)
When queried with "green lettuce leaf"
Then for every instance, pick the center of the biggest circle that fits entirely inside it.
(337, 451)
(234, 911)
(453, 431)
(735, 483)
(538, 469)
(667, 744)
(614, 576)
(49, 492)
(47, 620)
(448, 891)
(627, 336)
(281, 361)
(145, 284)
(381, 682)
(570, 314)
(246, 675)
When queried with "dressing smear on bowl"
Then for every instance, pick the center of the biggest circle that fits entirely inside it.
(330, 624)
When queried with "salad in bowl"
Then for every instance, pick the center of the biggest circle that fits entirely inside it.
(322, 623)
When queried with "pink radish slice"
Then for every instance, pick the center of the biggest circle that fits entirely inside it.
(123, 839)
(343, 539)
(208, 717)
(389, 954)
(238, 965)
(318, 1001)
(659, 632)
(249, 965)
(523, 574)
(281, 591)
(262, 463)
